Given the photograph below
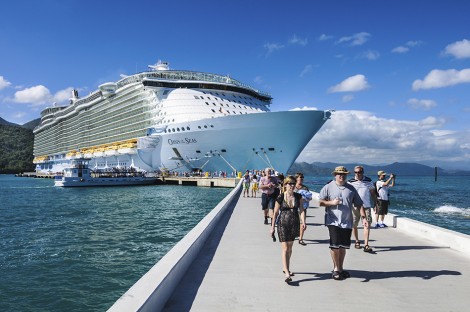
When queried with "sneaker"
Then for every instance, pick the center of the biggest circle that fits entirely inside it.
(382, 225)
(265, 221)
(377, 226)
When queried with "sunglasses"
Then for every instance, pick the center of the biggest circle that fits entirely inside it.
(358, 171)
(291, 184)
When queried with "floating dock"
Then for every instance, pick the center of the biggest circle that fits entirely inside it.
(229, 262)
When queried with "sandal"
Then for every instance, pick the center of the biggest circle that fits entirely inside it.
(301, 242)
(288, 280)
(345, 274)
(357, 245)
(367, 248)
(337, 276)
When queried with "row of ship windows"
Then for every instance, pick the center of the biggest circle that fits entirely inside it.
(187, 128)
(222, 104)
(240, 102)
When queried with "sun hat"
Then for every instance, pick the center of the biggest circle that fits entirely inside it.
(340, 169)
(381, 172)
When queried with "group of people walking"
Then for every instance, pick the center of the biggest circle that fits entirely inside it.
(346, 203)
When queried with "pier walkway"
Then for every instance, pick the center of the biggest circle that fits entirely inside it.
(240, 269)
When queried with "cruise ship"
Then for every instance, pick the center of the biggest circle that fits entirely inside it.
(173, 120)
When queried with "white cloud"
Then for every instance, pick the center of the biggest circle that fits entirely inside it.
(347, 98)
(304, 108)
(414, 43)
(406, 47)
(40, 95)
(442, 78)
(356, 39)
(306, 70)
(63, 95)
(351, 84)
(459, 49)
(300, 41)
(324, 37)
(4, 83)
(271, 47)
(36, 95)
(400, 49)
(371, 55)
(362, 137)
(421, 104)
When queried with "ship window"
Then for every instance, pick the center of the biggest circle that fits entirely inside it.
(187, 128)
(198, 151)
(196, 97)
(213, 110)
(178, 129)
(212, 126)
(199, 127)
(207, 103)
(214, 104)
(205, 126)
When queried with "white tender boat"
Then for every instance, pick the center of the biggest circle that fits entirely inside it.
(79, 174)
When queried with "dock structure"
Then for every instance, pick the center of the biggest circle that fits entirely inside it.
(230, 263)
(201, 181)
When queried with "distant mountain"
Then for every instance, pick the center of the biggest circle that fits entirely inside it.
(405, 169)
(16, 148)
(32, 124)
(6, 123)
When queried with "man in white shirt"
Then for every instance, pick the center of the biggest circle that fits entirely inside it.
(365, 188)
(382, 186)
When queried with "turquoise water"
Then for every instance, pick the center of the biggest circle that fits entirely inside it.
(444, 202)
(80, 249)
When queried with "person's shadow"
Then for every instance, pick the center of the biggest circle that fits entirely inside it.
(368, 276)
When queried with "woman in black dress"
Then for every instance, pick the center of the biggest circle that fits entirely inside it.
(288, 205)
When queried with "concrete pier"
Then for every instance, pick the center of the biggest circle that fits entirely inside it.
(239, 268)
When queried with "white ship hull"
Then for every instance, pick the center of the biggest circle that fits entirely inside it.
(237, 143)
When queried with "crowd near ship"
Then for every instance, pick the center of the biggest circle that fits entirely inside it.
(175, 120)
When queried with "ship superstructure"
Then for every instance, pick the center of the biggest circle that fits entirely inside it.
(165, 119)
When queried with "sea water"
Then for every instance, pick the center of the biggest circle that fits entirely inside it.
(443, 202)
(80, 249)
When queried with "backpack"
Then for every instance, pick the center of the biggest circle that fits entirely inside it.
(376, 190)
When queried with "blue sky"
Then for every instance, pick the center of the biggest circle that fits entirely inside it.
(396, 72)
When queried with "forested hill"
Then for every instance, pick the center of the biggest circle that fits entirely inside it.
(404, 169)
(16, 146)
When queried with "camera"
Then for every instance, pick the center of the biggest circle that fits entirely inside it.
(392, 175)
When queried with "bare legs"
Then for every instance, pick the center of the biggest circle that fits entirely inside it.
(337, 255)
(286, 254)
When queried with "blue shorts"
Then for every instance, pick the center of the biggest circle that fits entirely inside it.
(267, 201)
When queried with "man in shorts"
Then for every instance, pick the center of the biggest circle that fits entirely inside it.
(382, 186)
(365, 188)
(338, 198)
(269, 188)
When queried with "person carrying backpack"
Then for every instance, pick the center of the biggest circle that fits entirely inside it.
(382, 204)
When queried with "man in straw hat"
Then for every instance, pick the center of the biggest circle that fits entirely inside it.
(339, 197)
